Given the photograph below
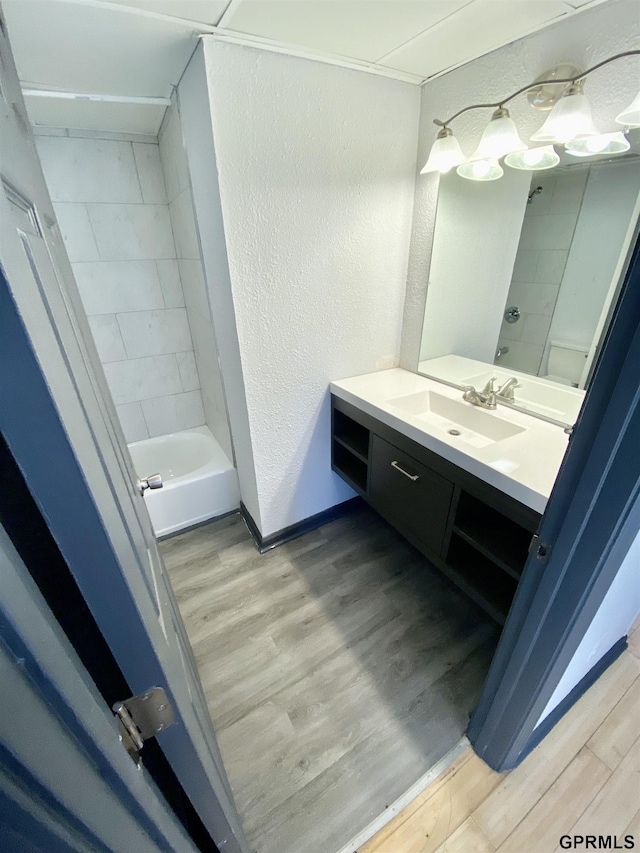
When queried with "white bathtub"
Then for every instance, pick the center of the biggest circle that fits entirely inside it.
(199, 481)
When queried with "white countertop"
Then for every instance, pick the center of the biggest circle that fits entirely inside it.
(560, 403)
(523, 466)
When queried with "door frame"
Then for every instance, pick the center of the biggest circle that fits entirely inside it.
(591, 520)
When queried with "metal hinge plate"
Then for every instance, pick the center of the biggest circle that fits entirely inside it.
(141, 717)
(541, 549)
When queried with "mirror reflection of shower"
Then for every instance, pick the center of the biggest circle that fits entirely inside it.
(537, 191)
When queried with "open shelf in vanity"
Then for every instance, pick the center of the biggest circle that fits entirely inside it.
(475, 534)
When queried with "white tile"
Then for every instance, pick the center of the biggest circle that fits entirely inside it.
(523, 356)
(524, 268)
(517, 296)
(129, 232)
(529, 236)
(542, 299)
(150, 173)
(172, 413)
(132, 422)
(170, 283)
(568, 192)
(193, 286)
(554, 231)
(188, 371)
(89, 170)
(511, 331)
(148, 333)
(173, 156)
(550, 268)
(184, 226)
(531, 299)
(106, 334)
(541, 202)
(143, 378)
(110, 287)
(76, 231)
(216, 419)
(535, 329)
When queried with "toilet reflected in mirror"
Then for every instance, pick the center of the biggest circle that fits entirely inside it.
(566, 363)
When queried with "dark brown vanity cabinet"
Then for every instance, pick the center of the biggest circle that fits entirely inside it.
(474, 533)
(409, 495)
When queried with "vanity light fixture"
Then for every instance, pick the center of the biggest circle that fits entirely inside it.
(533, 159)
(445, 153)
(604, 143)
(500, 137)
(570, 119)
(487, 169)
(630, 117)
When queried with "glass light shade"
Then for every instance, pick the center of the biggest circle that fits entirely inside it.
(481, 170)
(604, 143)
(500, 137)
(533, 159)
(631, 116)
(569, 119)
(445, 153)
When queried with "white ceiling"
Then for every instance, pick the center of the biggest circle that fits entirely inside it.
(140, 47)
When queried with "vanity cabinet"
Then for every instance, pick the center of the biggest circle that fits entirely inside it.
(474, 533)
(409, 495)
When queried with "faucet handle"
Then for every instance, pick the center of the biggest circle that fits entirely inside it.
(505, 391)
(489, 387)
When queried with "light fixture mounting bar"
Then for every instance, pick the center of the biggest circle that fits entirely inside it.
(566, 80)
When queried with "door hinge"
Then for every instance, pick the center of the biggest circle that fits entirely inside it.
(540, 548)
(141, 717)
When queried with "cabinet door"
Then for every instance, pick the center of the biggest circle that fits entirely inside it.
(409, 495)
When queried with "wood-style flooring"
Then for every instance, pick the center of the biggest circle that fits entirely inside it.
(583, 779)
(338, 669)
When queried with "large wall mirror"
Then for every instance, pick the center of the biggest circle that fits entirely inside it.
(524, 274)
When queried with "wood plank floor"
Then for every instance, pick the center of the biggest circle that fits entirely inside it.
(583, 779)
(338, 669)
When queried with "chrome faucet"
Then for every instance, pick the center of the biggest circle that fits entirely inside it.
(505, 391)
(486, 398)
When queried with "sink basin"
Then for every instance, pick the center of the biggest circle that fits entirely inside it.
(456, 419)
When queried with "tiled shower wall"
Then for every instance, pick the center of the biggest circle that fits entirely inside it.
(178, 184)
(111, 203)
(547, 231)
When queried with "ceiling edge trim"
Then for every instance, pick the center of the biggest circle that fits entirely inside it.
(272, 46)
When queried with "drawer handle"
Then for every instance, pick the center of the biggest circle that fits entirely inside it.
(413, 477)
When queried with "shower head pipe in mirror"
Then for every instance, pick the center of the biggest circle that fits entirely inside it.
(567, 80)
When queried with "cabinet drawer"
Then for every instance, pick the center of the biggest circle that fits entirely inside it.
(409, 495)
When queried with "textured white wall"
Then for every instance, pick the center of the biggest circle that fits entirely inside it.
(587, 38)
(197, 130)
(316, 169)
(177, 180)
(474, 249)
